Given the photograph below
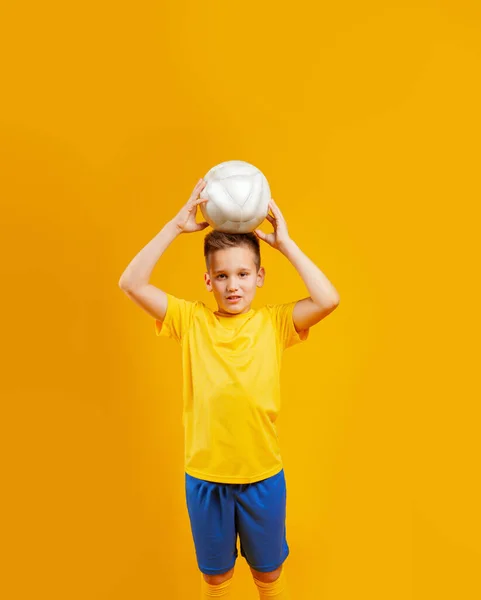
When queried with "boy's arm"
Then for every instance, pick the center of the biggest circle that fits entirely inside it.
(134, 281)
(324, 296)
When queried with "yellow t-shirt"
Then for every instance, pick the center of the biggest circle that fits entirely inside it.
(231, 387)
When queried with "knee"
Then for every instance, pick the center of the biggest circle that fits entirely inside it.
(268, 577)
(218, 579)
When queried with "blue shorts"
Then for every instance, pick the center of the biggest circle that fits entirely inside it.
(256, 512)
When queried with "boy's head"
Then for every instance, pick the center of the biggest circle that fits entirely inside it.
(233, 269)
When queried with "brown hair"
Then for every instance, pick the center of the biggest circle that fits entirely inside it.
(218, 240)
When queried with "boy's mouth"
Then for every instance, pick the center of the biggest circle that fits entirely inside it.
(233, 298)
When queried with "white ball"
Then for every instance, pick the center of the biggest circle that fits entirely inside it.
(238, 197)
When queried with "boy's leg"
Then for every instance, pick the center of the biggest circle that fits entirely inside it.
(272, 584)
(261, 523)
(216, 586)
(212, 518)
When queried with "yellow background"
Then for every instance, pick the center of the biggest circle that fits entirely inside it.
(364, 116)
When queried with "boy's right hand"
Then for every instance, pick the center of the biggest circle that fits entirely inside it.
(185, 220)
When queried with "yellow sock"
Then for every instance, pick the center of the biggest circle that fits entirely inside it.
(276, 589)
(222, 590)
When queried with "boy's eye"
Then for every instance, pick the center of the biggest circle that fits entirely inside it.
(222, 275)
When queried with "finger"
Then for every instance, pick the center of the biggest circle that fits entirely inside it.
(194, 202)
(198, 188)
(202, 225)
(272, 221)
(277, 212)
(274, 205)
(260, 234)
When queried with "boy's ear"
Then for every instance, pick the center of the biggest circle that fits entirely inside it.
(207, 281)
(261, 275)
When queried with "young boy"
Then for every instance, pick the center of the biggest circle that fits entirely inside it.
(234, 476)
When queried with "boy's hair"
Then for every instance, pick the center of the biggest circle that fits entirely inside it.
(218, 240)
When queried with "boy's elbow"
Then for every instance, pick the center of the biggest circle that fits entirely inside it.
(124, 285)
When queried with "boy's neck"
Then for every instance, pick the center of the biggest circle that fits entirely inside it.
(222, 313)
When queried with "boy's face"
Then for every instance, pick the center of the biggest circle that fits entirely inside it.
(233, 272)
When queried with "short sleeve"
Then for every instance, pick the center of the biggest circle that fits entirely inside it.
(284, 324)
(177, 318)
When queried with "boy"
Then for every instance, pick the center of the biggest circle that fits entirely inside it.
(234, 477)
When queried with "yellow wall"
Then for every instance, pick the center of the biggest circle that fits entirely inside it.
(364, 116)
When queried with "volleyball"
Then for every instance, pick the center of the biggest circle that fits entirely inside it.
(238, 197)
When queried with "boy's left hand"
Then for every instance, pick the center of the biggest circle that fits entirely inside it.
(280, 235)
